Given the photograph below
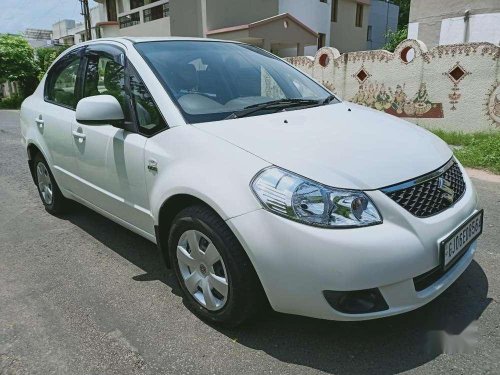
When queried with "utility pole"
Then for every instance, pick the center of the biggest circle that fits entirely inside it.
(86, 18)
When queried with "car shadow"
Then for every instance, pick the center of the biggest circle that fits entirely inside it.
(136, 249)
(389, 345)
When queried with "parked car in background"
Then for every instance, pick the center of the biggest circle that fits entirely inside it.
(256, 183)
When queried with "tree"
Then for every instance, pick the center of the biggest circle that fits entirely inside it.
(17, 63)
(395, 37)
(404, 12)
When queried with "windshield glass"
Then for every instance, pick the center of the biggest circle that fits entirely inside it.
(211, 81)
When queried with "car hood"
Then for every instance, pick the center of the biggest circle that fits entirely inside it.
(342, 145)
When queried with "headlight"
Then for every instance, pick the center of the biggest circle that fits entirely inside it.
(299, 199)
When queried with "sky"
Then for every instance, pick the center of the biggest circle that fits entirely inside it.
(18, 15)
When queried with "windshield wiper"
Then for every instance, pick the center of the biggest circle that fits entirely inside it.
(330, 98)
(273, 104)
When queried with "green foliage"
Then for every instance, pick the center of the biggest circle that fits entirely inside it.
(45, 56)
(17, 63)
(404, 12)
(476, 150)
(12, 102)
(394, 38)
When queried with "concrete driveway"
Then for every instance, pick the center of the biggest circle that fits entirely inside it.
(81, 295)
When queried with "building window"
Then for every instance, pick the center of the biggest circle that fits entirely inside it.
(129, 20)
(369, 33)
(157, 12)
(321, 40)
(359, 15)
(139, 3)
(335, 10)
(111, 10)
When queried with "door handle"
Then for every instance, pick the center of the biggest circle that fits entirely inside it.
(152, 165)
(81, 137)
(39, 122)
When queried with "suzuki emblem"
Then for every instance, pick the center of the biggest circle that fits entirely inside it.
(447, 192)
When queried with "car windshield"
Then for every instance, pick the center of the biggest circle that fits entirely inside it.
(212, 81)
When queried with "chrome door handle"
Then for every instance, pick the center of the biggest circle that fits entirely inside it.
(152, 165)
(39, 122)
(79, 135)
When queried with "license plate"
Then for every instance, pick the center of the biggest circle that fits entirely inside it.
(457, 243)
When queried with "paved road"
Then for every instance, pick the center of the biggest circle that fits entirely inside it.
(81, 295)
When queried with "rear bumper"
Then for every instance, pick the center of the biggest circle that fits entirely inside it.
(296, 263)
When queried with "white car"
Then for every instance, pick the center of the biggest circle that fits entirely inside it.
(256, 183)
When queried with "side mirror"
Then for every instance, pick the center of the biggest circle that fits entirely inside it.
(100, 110)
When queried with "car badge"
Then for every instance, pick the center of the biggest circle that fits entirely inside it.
(447, 193)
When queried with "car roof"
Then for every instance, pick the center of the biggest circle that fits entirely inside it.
(135, 39)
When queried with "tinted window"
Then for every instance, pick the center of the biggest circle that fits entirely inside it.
(210, 80)
(149, 118)
(62, 82)
(104, 76)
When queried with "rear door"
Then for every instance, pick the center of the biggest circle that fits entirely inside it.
(55, 116)
(110, 160)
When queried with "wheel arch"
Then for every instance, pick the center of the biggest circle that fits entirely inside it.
(168, 210)
(32, 149)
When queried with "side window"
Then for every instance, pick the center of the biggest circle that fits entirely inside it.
(149, 118)
(62, 82)
(104, 76)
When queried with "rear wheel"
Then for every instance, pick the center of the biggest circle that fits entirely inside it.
(219, 282)
(52, 198)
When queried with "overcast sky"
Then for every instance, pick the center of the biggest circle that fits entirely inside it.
(18, 15)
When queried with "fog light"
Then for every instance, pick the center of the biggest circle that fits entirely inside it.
(356, 301)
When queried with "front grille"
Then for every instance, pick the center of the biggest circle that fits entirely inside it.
(429, 195)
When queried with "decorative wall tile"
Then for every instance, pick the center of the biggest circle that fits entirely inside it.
(416, 83)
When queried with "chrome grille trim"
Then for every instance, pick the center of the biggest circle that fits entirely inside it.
(429, 176)
(425, 196)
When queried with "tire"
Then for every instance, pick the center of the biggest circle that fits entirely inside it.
(244, 296)
(50, 194)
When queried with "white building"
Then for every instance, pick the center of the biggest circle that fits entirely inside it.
(72, 32)
(285, 27)
(38, 37)
(454, 21)
(61, 32)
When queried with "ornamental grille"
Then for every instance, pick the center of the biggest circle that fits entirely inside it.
(429, 198)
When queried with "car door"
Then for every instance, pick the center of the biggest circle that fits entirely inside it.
(110, 160)
(55, 116)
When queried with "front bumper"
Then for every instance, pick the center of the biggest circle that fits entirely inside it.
(297, 262)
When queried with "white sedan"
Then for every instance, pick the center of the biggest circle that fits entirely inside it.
(257, 184)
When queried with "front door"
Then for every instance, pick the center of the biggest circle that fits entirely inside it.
(110, 160)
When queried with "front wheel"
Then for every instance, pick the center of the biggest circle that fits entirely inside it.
(218, 281)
